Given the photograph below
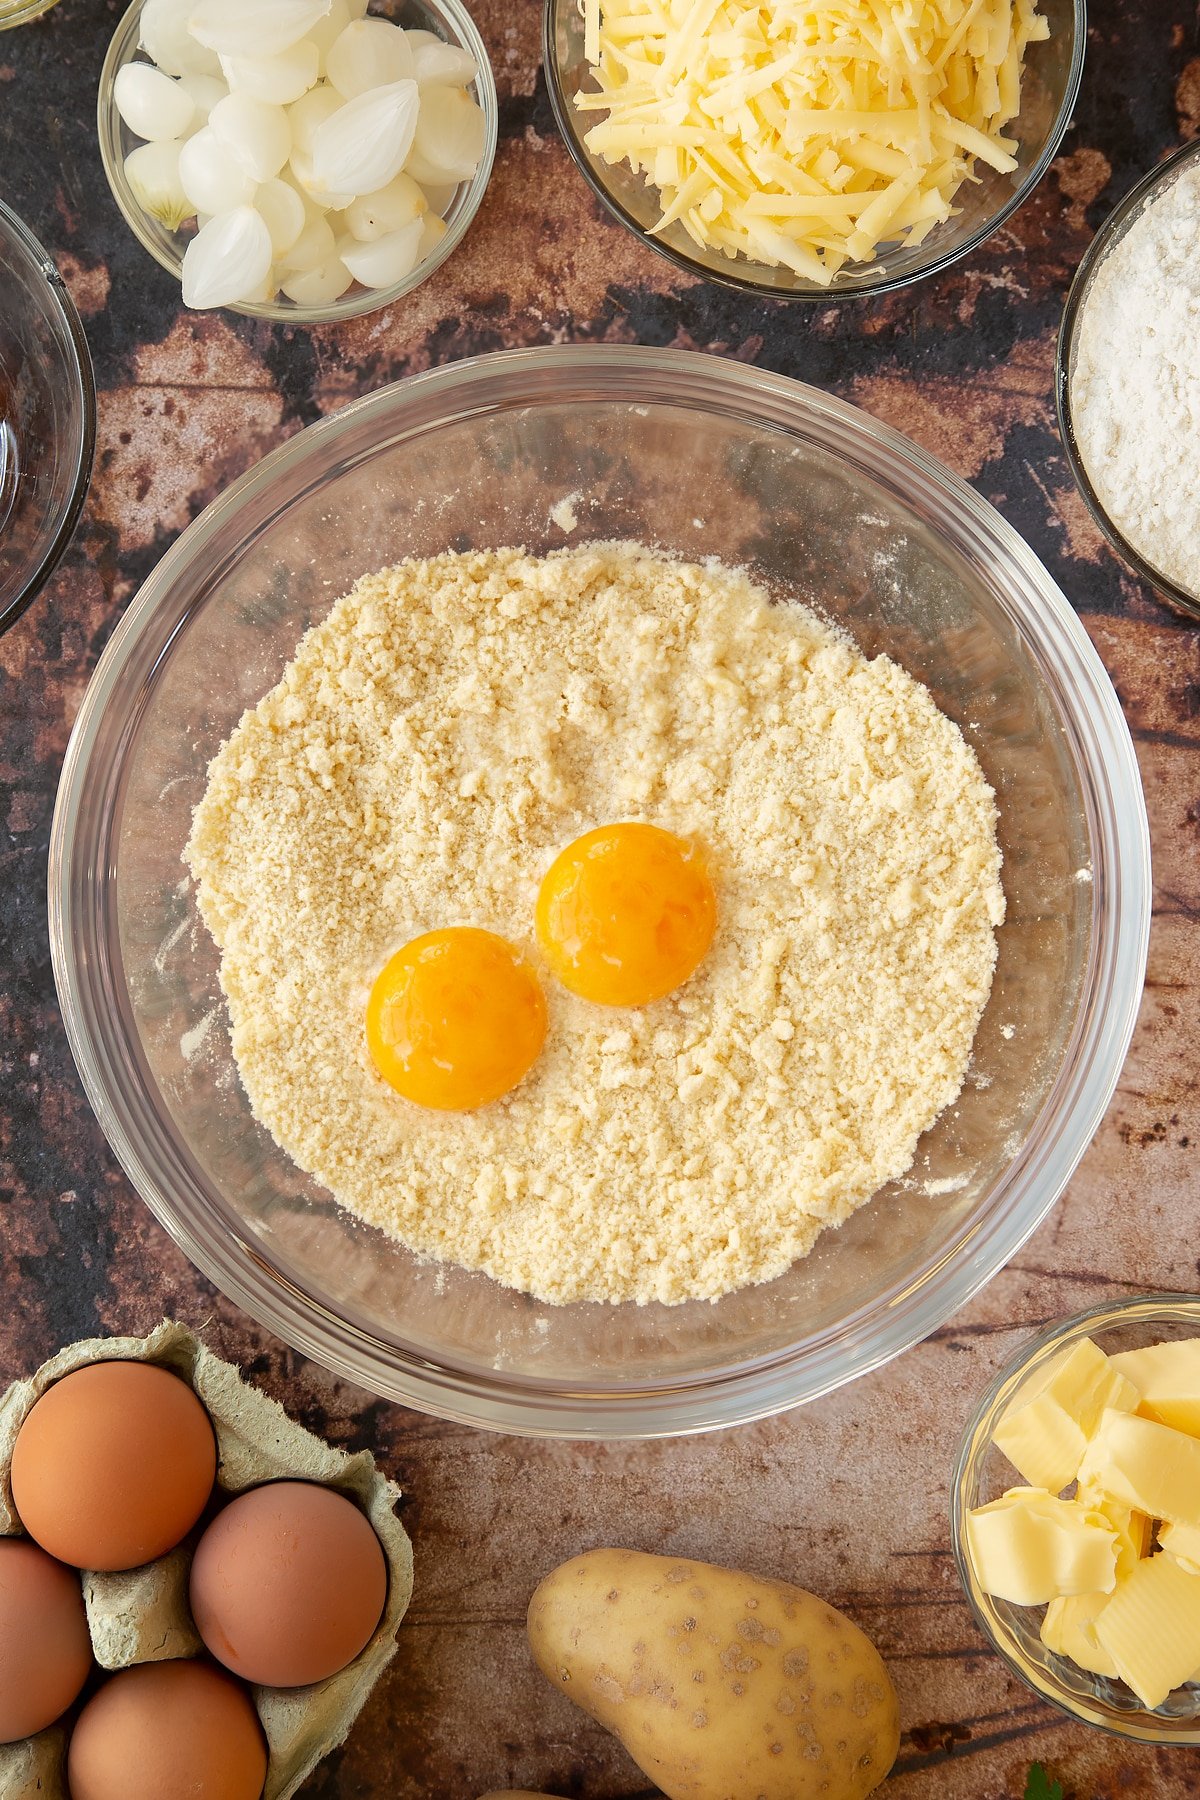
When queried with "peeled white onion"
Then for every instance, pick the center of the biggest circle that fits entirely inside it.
(254, 27)
(433, 230)
(284, 211)
(163, 34)
(364, 144)
(152, 105)
(314, 247)
(304, 117)
(211, 175)
(276, 80)
(152, 171)
(448, 64)
(326, 32)
(372, 216)
(203, 91)
(228, 260)
(449, 138)
(257, 134)
(320, 286)
(370, 53)
(386, 260)
(301, 171)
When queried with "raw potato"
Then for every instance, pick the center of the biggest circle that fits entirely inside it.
(721, 1685)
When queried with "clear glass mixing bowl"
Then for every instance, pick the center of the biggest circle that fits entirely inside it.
(702, 456)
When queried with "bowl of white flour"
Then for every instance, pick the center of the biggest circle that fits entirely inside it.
(1128, 382)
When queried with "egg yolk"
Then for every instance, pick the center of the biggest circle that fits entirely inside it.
(626, 913)
(455, 1019)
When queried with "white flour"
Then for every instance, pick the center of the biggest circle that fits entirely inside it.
(1135, 388)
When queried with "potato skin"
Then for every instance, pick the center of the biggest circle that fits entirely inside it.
(516, 1794)
(721, 1685)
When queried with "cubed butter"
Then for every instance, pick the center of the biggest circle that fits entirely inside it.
(1029, 1547)
(1069, 1629)
(1183, 1543)
(1145, 1465)
(1045, 1430)
(1134, 1530)
(1151, 1628)
(1167, 1376)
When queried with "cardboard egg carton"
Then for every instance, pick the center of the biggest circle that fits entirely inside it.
(143, 1615)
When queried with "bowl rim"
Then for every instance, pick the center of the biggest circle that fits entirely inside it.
(1075, 1104)
(24, 12)
(1109, 234)
(1132, 1309)
(811, 294)
(123, 47)
(42, 263)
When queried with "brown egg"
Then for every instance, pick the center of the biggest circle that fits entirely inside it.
(114, 1465)
(162, 1730)
(288, 1584)
(45, 1651)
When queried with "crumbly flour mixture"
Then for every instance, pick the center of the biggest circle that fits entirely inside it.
(1135, 388)
(447, 729)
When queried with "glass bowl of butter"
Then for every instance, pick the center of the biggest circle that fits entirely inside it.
(810, 158)
(1075, 1513)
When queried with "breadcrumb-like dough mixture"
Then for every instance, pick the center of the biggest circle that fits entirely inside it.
(433, 745)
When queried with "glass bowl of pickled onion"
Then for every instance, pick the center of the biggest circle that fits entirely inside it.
(150, 203)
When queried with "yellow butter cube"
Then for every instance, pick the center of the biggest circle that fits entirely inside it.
(1069, 1630)
(1029, 1547)
(1045, 1431)
(1183, 1543)
(1167, 1376)
(1151, 1628)
(1133, 1530)
(1147, 1466)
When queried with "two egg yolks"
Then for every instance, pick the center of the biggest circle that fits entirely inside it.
(457, 1017)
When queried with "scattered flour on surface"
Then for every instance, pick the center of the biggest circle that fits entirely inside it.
(433, 745)
(563, 514)
(1135, 385)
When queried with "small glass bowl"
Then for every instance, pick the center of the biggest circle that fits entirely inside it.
(447, 19)
(47, 417)
(1123, 216)
(1051, 83)
(20, 12)
(983, 1473)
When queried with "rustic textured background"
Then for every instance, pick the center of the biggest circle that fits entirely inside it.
(849, 1496)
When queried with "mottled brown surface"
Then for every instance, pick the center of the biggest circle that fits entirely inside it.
(849, 1496)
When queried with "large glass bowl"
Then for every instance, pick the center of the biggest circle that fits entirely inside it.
(984, 1473)
(1049, 90)
(447, 19)
(700, 455)
(47, 417)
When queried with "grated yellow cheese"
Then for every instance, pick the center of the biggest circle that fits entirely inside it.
(875, 112)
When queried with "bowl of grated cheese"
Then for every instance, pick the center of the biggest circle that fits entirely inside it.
(806, 152)
(560, 449)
